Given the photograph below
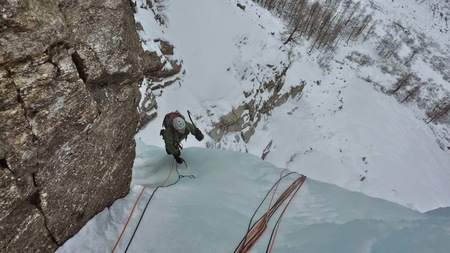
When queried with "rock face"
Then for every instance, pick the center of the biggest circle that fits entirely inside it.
(69, 76)
(244, 119)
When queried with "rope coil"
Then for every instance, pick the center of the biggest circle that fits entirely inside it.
(255, 231)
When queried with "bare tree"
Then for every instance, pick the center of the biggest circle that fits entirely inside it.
(354, 9)
(307, 21)
(321, 32)
(354, 24)
(322, 21)
(270, 4)
(367, 19)
(296, 18)
(413, 53)
(345, 8)
(385, 44)
(412, 93)
(316, 10)
(335, 37)
(404, 80)
(296, 11)
(281, 6)
(332, 6)
(393, 48)
(326, 35)
(441, 109)
(370, 30)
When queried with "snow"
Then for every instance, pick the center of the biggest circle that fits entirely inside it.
(211, 212)
(374, 167)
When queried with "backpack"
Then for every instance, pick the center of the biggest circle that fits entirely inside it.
(169, 118)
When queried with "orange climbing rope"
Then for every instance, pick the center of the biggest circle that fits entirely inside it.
(277, 225)
(170, 173)
(256, 231)
(134, 207)
(128, 220)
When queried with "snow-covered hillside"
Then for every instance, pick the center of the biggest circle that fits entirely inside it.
(340, 130)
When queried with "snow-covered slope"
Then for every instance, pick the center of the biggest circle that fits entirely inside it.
(340, 131)
(211, 212)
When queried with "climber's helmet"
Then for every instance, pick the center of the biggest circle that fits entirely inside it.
(179, 124)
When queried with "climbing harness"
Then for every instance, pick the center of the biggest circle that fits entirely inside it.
(148, 202)
(255, 230)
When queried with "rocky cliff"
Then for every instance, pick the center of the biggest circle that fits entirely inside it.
(69, 76)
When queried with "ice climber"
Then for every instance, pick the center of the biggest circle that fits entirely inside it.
(177, 129)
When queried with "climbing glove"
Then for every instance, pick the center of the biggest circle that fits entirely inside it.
(198, 134)
(178, 159)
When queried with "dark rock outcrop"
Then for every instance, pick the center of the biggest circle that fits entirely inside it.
(69, 76)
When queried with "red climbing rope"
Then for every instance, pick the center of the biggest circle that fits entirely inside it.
(257, 230)
(277, 225)
(128, 220)
(134, 207)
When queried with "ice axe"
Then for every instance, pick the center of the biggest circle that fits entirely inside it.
(198, 134)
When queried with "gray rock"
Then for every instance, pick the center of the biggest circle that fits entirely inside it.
(69, 76)
(245, 118)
